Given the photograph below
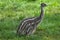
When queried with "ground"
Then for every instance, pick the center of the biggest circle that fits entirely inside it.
(13, 11)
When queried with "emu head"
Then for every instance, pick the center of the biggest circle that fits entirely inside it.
(43, 5)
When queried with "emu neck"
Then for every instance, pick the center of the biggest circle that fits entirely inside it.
(42, 12)
(39, 18)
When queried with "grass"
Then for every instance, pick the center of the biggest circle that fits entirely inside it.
(13, 11)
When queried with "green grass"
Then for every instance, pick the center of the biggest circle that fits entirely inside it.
(13, 11)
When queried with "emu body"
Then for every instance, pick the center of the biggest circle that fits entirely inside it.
(28, 26)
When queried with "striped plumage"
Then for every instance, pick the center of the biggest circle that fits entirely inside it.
(28, 26)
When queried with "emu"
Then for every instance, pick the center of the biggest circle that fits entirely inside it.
(28, 26)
